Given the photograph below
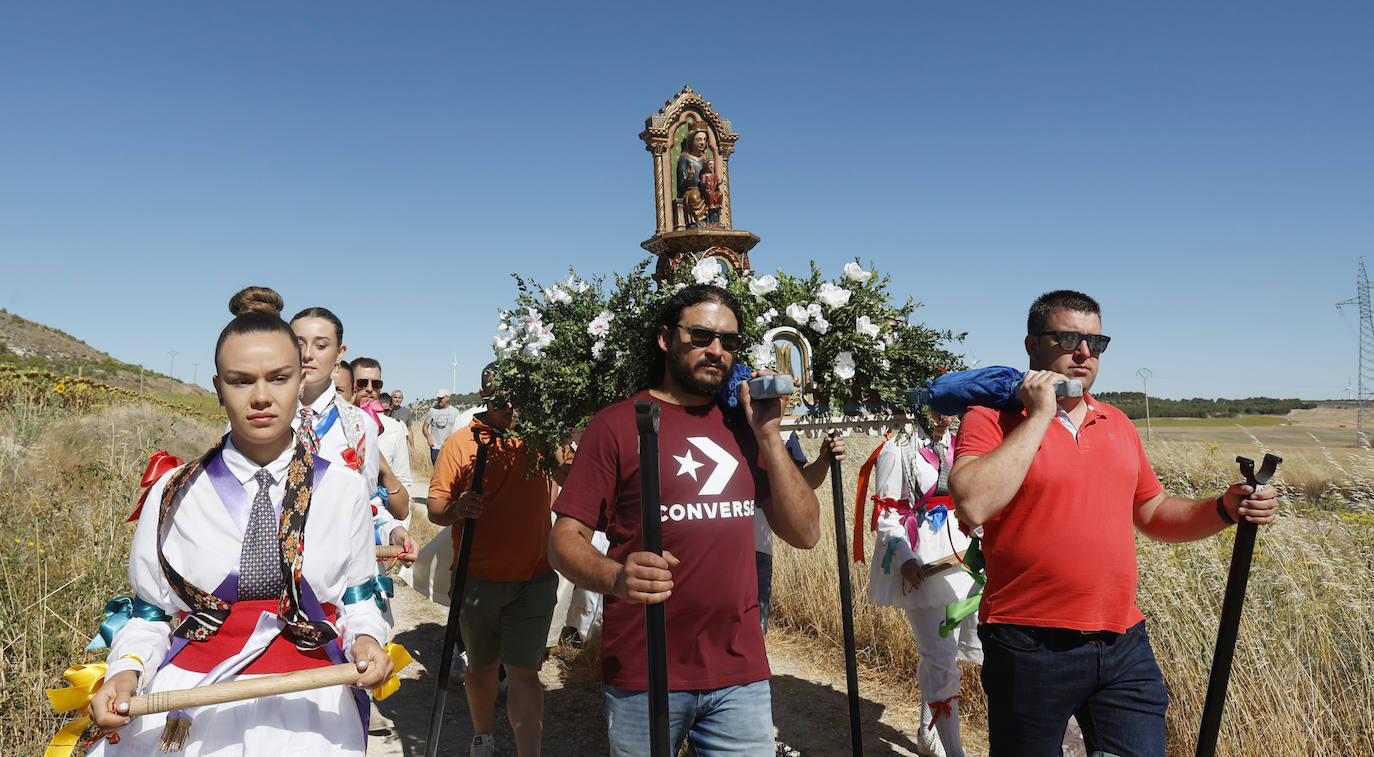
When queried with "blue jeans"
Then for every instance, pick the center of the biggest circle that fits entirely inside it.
(1035, 678)
(735, 720)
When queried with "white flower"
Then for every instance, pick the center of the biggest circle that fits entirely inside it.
(844, 365)
(597, 347)
(575, 285)
(864, 325)
(798, 314)
(820, 325)
(879, 346)
(832, 295)
(557, 295)
(854, 272)
(887, 364)
(813, 310)
(760, 356)
(600, 324)
(761, 285)
(706, 271)
(679, 286)
(535, 346)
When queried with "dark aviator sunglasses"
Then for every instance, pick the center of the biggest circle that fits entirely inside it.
(730, 341)
(362, 384)
(1069, 340)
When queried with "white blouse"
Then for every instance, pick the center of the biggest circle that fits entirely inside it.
(204, 544)
(356, 424)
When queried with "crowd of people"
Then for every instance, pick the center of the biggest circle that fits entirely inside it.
(259, 557)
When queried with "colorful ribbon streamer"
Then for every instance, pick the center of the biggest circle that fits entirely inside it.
(119, 611)
(859, 500)
(400, 658)
(85, 680)
(377, 589)
(158, 465)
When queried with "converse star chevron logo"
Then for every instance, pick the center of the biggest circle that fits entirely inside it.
(720, 476)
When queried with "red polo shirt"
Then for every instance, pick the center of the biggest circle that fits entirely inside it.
(1062, 553)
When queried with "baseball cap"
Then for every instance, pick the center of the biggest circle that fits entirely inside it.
(441, 392)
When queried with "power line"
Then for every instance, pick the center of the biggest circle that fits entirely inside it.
(1365, 387)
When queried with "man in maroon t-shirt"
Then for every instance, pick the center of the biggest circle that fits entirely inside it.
(1059, 489)
(716, 469)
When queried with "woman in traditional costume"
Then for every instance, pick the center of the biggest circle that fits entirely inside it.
(331, 427)
(256, 559)
(916, 526)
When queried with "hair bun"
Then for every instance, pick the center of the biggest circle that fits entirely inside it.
(256, 300)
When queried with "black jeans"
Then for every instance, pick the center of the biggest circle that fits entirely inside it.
(1035, 678)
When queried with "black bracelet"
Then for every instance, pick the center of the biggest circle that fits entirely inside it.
(1221, 510)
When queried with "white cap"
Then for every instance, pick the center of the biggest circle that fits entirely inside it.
(441, 392)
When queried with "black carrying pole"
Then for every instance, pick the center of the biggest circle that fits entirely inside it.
(851, 663)
(655, 618)
(455, 604)
(1231, 606)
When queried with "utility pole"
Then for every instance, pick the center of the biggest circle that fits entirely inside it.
(454, 386)
(1145, 374)
(172, 363)
(1365, 387)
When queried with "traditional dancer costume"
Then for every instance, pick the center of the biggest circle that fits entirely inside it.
(226, 589)
(915, 520)
(342, 433)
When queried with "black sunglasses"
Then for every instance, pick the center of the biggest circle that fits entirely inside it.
(730, 341)
(1069, 340)
(362, 383)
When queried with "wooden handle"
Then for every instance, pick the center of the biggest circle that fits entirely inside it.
(234, 691)
(388, 551)
(944, 563)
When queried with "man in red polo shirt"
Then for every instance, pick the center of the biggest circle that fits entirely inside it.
(1059, 488)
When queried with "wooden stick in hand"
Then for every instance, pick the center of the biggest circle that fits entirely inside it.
(388, 551)
(345, 674)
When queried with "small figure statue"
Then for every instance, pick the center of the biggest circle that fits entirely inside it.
(697, 182)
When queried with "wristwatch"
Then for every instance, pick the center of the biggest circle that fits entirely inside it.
(1221, 510)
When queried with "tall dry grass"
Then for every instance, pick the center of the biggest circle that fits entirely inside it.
(1303, 680)
(68, 481)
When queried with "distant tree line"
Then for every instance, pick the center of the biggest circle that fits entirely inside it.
(1133, 405)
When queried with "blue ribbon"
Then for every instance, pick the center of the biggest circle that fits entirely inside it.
(377, 589)
(323, 427)
(936, 516)
(382, 494)
(121, 610)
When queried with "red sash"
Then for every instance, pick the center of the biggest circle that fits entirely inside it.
(281, 656)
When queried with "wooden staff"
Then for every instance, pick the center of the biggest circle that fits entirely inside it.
(343, 674)
(851, 663)
(388, 551)
(455, 606)
(655, 617)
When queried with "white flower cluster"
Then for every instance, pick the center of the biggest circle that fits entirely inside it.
(597, 329)
(708, 271)
(525, 334)
(854, 272)
(766, 317)
(761, 356)
(761, 285)
(811, 314)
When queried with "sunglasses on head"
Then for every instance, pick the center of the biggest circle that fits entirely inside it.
(362, 383)
(730, 341)
(1069, 340)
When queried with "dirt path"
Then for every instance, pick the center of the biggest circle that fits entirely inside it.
(810, 708)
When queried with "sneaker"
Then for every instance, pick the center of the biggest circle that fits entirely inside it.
(483, 745)
(458, 669)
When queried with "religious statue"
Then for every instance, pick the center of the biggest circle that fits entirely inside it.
(698, 184)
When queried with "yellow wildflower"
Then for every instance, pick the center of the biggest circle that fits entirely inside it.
(60, 388)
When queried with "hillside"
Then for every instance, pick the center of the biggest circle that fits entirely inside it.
(32, 345)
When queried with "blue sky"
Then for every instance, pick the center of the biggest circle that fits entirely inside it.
(1205, 172)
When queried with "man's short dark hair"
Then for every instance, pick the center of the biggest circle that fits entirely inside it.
(488, 375)
(671, 313)
(366, 362)
(1065, 299)
(384, 397)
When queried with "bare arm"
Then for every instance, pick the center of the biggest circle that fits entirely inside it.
(428, 439)
(643, 579)
(982, 486)
(832, 448)
(793, 511)
(1176, 519)
(397, 498)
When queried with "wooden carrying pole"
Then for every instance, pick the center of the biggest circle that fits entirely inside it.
(655, 617)
(343, 674)
(851, 663)
(455, 606)
(1231, 606)
(388, 551)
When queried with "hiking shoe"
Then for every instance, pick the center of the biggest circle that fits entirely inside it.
(482, 746)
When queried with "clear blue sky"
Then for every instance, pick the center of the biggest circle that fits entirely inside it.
(1206, 172)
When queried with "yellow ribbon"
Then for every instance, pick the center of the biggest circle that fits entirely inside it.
(400, 658)
(85, 680)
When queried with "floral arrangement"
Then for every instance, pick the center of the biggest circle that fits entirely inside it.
(567, 350)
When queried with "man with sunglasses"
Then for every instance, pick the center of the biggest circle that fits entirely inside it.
(1059, 489)
(716, 469)
(393, 443)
